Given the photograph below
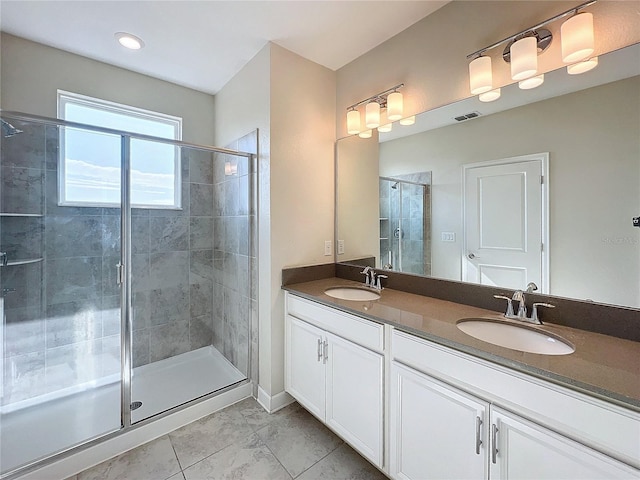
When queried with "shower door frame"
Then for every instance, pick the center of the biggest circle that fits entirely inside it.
(124, 279)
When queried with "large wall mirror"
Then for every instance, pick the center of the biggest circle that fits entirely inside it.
(542, 185)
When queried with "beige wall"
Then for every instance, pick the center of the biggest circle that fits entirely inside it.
(430, 56)
(292, 101)
(593, 140)
(302, 178)
(32, 73)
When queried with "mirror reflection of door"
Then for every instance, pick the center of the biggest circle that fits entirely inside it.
(506, 222)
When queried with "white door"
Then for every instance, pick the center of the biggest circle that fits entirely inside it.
(355, 408)
(506, 222)
(526, 450)
(304, 364)
(437, 432)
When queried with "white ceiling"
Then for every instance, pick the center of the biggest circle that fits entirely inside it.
(203, 44)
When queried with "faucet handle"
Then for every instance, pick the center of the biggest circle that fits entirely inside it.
(509, 312)
(366, 273)
(534, 313)
(379, 283)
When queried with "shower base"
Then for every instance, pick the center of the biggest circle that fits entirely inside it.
(38, 431)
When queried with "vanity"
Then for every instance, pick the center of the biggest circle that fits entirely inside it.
(401, 383)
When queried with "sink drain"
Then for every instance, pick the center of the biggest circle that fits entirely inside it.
(135, 405)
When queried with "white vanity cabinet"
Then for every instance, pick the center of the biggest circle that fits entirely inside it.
(334, 367)
(432, 432)
(437, 432)
(524, 449)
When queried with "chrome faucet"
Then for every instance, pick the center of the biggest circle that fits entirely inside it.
(518, 296)
(370, 276)
(379, 286)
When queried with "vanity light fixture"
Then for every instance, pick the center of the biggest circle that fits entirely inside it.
(523, 48)
(387, 127)
(584, 66)
(490, 96)
(129, 41)
(380, 110)
(408, 120)
(532, 82)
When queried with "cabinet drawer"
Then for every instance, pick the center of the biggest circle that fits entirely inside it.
(604, 426)
(358, 330)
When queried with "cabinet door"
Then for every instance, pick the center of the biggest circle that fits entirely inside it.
(305, 369)
(524, 450)
(437, 432)
(355, 396)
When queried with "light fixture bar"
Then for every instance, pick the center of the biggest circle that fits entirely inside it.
(376, 97)
(535, 27)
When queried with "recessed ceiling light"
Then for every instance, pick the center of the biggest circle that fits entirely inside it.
(129, 41)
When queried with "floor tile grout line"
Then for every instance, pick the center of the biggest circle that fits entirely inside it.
(174, 452)
(342, 442)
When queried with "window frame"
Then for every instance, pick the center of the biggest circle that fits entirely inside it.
(65, 97)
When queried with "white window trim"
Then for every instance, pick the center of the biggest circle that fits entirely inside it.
(64, 97)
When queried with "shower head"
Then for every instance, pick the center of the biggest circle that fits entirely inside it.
(9, 130)
(395, 185)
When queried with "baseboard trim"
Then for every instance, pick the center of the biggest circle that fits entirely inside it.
(274, 403)
(87, 458)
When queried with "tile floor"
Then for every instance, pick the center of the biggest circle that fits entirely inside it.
(241, 442)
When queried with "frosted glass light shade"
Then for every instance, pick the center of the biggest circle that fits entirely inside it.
(365, 134)
(408, 121)
(533, 82)
(385, 128)
(576, 36)
(581, 67)
(372, 115)
(480, 76)
(524, 58)
(490, 96)
(353, 122)
(394, 106)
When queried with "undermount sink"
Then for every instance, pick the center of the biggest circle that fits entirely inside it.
(515, 337)
(352, 293)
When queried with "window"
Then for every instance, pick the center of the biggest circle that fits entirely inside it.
(89, 162)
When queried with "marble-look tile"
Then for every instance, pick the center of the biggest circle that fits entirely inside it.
(201, 298)
(299, 441)
(250, 460)
(140, 347)
(201, 233)
(231, 202)
(219, 231)
(168, 269)
(24, 331)
(208, 435)
(249, 142)
(243, 194)
(177, 476)
(219, 160)
(230, 270)
(218, 267)
(110, 275)
(168, 234)
(231, 234)
(200, 167)
(201, 200)
(155, 460)
(243, 235)
(257, 417)
(244, 282)
(110, 234)
(343, 464)
(73, 279)
(27, 149)
(168, 340)
(27, 282)
(218, 317)
(140, 234)
(201, 331)
(73, 322)
(167, 304)
(200, 266)
(22, 237)
(140, 274)
(141, 310)
(219, 199)
(22, 190)
(185, 153)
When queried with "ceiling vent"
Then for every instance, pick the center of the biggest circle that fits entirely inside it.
(467, 116)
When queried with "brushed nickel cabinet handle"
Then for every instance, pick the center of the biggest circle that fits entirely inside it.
(478, 439)
(494, 443)
(319, 349)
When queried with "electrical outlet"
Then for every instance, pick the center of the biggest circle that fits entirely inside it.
(340, 247)
(327, 247)
(448, 236)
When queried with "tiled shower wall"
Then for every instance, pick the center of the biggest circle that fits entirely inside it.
(190, 280)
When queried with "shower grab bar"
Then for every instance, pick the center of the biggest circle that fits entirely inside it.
(138, 136)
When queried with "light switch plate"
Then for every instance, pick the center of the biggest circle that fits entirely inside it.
(340, 247)
(327, 247)
(448, 236)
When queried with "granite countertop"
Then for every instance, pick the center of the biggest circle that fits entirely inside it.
(603, 366)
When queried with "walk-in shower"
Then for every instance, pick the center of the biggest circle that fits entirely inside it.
(113, 313)
(405, 214)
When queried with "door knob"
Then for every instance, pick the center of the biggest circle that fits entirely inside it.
(471, 256)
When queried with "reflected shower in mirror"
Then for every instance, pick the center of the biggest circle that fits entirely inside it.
(585, 126)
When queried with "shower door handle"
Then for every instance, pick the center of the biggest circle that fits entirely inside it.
(119, 273)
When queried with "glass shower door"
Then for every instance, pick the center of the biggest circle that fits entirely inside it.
(190, 277)
(60, 326)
